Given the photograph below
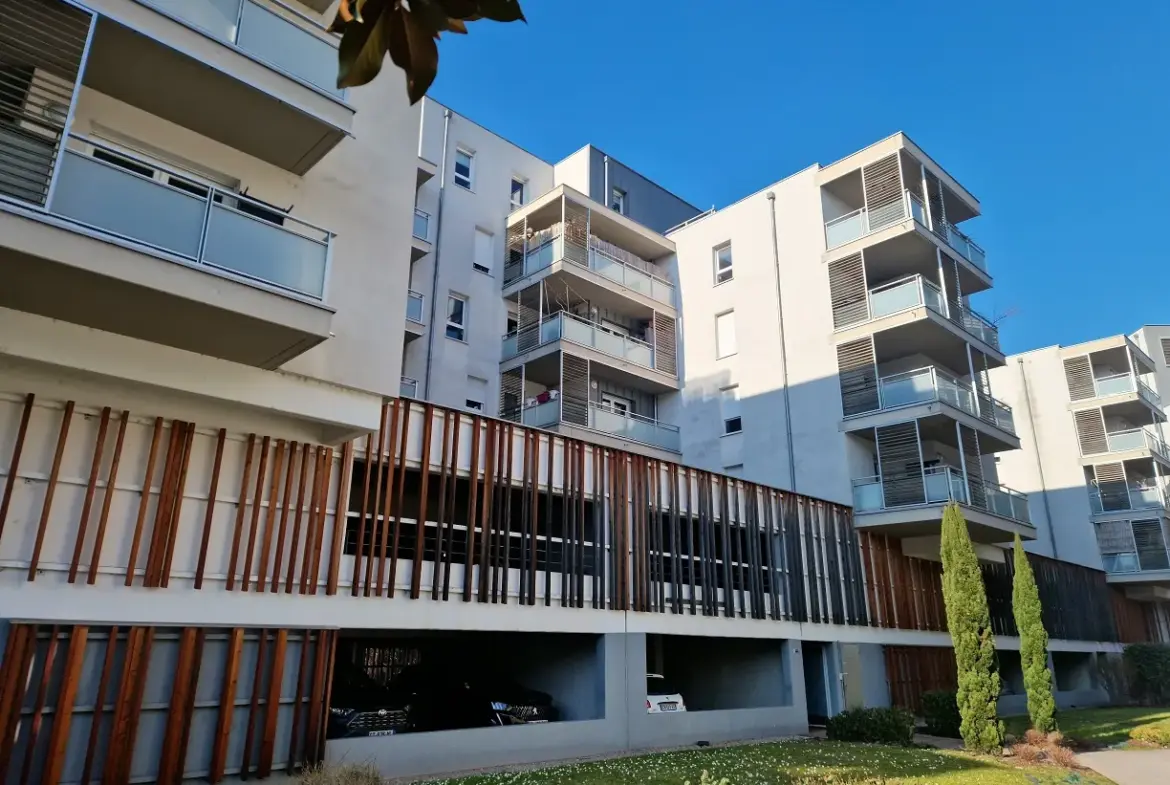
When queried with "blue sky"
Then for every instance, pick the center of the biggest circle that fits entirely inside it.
(1055, 115)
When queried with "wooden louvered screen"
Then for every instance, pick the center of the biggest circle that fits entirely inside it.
(882, 181)
(576, 233)
(1114, 537)
(514, 252)
(1166, 351)
(847, 290)
(574, 390)
(936, 205)
(1078, 374)
(665, 348)
(1111, 484)
(900, 461)
(527, 326)
(1150, 541)
(973, 458)
(857, 371)
(511, 394)
(1091, 431)
(41, 46)
(954, 292)
(982, 386)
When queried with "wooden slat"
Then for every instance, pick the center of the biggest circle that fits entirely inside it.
(331, 655)
(270, 518)
(325, 475)
(272, 704)
(90, 489)
(399, 454)
(449, 438)
(144, 501)
(311, 521)
(379, 526)
(175, 516)
(254, 704)
(469, 560)
(285, 509)
(19, 651)
(30, 742)
(63, 714)
(241, 511)
(295, 737)
(95, 722)
(184, 679)
(124, 735)
(421, 518)
(294, 545)
(317, 708)
(99, 538)
(227, 705)
(164, 505)
(209, 515)
(50, 490)
(257, 502)
(189, 709)
(340, 519)
(14, 462)
(361, 534)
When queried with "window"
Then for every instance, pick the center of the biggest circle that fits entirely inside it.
(477, 390)
(512, 325)
(723, 263)
(725, 345)
(617, 200)
(729, 408)
(483, 251)
(475, 406)
(464, 163)
(456, 317)
(735, 469)
(616, 403)
(519, 191)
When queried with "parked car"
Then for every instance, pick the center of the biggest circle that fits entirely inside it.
(360, 706)
(445, 700)
(662, 696)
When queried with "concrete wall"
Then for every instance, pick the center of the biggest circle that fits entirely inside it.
(647, 202)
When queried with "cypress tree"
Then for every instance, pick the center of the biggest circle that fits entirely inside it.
(1033, 644)
(969, 621)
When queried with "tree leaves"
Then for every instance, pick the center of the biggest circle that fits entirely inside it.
(406, 30)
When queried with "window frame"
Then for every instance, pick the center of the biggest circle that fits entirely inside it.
(720, 354)
(717, 270)
(479, 268)
(473, 405)
(726, 395)
(470, 178)
(523, 193)
(622, 200)
(461, 325)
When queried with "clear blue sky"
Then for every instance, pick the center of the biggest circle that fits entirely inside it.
(1056, 115)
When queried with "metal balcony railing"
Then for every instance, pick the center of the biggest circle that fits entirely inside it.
(180, 214)
(928, 384)
(1131, 496)
(564, 326)
(422, 225)
(408, 388)
(914, 291)
(276, 34)
(1121, 383)
(624, 425)
(414, 306)
(1136, 439)
(943, 484)
(857, 224)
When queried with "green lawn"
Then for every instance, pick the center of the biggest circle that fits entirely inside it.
(778, 762)
(1098, 727)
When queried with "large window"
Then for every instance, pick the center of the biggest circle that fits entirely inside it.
(457, 317)
(723, 263)
(464, 168)
(483, 251)
(729, 408)
(519, 192)
(725, 344)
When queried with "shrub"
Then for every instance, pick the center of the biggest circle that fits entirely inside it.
(1155, 733)
(1035, 737)
(1062, 756)
(1033, 643)
(879, 726)
(969, 622)
(941, 711)
(1148, 666)
(1027, 753)
(349, 774)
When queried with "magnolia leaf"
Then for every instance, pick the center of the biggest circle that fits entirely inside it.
(501, 10)
(457, 26)
(364, 44)
(423, 57)
(432, 15)
(460, 9)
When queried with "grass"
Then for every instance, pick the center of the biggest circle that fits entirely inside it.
(1100, 727)
(780, 762)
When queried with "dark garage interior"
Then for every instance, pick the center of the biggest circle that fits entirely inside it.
(722, 673)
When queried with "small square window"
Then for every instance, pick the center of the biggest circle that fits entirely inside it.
(475, 406)
(457, 317)
(617, 201)
(519, 193)
(464, 165)
(732, 425)
(723, 264)
(729, 408)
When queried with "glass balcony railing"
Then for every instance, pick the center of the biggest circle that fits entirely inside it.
(1121, 383)
(1136, 439)
(272, 32)
(408, 388)
(602, 258)
(422, 225)
(179, 214)
(914, 291)
(1132, 496)
(414, 306)
(624, 425)
(859, 223)
(1133, 546)
(941, 484)
(563, 326)
(924, 385)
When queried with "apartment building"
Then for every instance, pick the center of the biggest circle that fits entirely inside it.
(263, 446)
(1095, 462)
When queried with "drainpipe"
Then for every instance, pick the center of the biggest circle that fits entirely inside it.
(783, 351)
(1036, 452)
(435, 261)
(605, 195)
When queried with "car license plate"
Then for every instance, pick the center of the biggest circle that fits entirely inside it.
(381, 733)
(668, 707)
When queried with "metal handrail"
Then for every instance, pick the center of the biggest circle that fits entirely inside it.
(953, 473)
(634, 416)
(574, 317)
(626, 264)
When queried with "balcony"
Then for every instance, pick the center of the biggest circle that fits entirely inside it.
(937, 486)
(931, 384)
(626, 426)
(1123, 384)
(408, 388)
(914, 291)
(256, 76)
(166, 257)
(1136, 439)
(858, 224)
(1131, 496)
(420, 235)
(1134, 551)
(633, 354)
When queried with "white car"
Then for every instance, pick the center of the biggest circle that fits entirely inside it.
(661, 695)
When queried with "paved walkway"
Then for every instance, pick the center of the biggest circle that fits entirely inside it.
(1130, 767)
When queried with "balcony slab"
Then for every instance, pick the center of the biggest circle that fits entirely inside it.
(999, 439)
(931, 333)
(926, 520)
